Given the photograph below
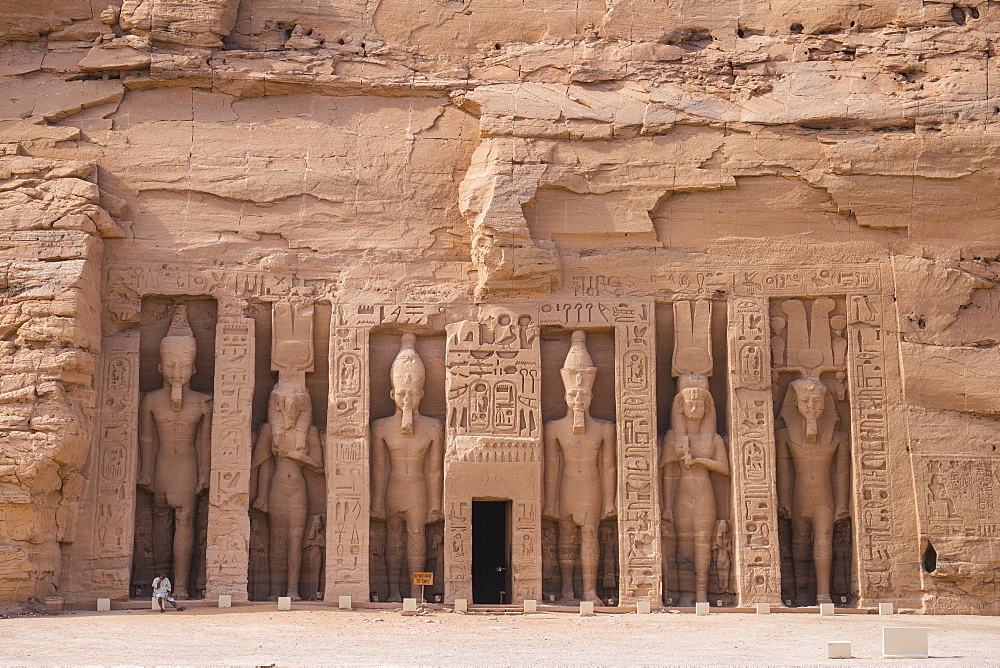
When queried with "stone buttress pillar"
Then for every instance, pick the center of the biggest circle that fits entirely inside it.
(752, 453)
(639, 546)
(227, 550)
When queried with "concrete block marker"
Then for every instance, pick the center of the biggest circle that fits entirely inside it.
(643, 607)
(104, 605)
(586, 608)
(904, 643)
(284, 603)
(763, 608)
(701, 608)
(886, 609)
(410, 606)
(225, 600)
(344, 603)
(461, 605)
(530, 605)
(154, 606)
(838, 649)
(826, 609)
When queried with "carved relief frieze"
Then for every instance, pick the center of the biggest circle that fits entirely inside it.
(163, 279)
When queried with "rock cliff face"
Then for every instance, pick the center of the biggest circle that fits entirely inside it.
(472, 152)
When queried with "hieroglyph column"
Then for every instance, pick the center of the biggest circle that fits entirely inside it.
(639, 547)
(116, 461)
(227, 553)
(347, 460)
(885, 565)
(752, 450)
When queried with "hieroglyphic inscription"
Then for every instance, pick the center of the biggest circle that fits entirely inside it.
(493, 379)
(117, 465)
(873, 505)
(638, 487)
(751, 430)
(138, 279)
(229, 488)
(458, 548)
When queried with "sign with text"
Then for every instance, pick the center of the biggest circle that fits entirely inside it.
(423, 578)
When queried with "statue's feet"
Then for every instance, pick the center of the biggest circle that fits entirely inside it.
(593, 598)
(686, 601)
(273, 598)
(394, 597)
(294, 595)
(181, 594)
(823, 598)
(567, 598)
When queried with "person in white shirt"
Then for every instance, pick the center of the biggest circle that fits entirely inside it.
(162, 590)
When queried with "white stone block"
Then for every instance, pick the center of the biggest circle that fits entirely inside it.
(344, 602)
(409, 605)
(284, 603)
(886, 609)
(153, 604)
(586, 608)
(461, 605)
(643, 607)
(826, 609)
(904, 643)
(701, 608)
(530, 605)
(838, 649)
(225, 600)
(763, 608)
(104, 605)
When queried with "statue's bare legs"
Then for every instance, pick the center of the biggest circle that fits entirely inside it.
(590, 553)
(405, 527)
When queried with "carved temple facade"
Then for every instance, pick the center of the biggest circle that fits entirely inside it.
(492, 380)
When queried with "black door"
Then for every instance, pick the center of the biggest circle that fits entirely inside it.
(490, 551)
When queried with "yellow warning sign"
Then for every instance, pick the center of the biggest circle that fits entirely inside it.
(423, 578)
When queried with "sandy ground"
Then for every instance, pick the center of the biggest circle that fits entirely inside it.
(262, 636)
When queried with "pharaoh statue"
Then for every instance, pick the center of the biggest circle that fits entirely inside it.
(692, 451)
(175, 426)
(813, 463)
(286, 445)
(407, 470)
(579, 472)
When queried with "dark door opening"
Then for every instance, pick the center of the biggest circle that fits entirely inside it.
(490, 551)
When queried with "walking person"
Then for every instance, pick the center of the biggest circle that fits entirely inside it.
(162, 590)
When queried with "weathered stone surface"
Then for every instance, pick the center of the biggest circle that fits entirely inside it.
(488, 175)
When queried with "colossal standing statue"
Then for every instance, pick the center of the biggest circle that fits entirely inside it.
(813, 477)
(579, 472)
(174, 444)
(407, 470)
(688, 494)
(288, 443)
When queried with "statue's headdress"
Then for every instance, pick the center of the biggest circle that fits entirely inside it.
(179, 339)
(578, 371)
(408, 371)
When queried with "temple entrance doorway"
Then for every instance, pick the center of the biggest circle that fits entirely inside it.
(491, 551)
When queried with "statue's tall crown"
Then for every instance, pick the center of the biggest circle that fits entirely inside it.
(408, 368)
(179, 339)
(578, 371)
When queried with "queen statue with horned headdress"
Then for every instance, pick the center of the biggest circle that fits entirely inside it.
(579, 472)
(407, 471)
